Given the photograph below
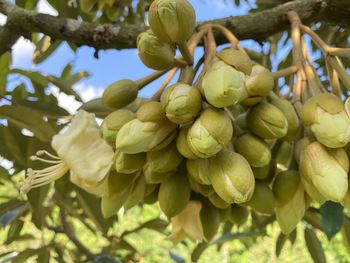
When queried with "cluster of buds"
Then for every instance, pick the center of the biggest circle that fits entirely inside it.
(212, 147)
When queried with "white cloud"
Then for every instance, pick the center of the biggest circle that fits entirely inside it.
(3, 19)
(22, 53)
(44, 7)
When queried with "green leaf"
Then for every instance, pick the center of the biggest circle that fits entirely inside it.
(35, 77)
(11, 210)
(44, 257)
(44, 49)
(5, 63)
(47, 108)
(331, 218)
(14, 231)
(314, 246)
(24, 117)
(64, 86)
(12, 144)
(31, 4)
(23, 256)
(198, 251)
(281, 240)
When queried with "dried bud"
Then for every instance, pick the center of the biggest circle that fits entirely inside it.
(113, 123)
(223, 85)
(173, 21)
(129, 163)
(267, 121)
(181, 102)
(231, 177)
(238, 59)
(182, 144)
(210, 133)
(255, 150)
(262, 200)
(154, 53)
(120, 93)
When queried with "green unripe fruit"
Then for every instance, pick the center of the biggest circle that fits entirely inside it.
(263, 200)
(239, 214)
(182, 144)
(285, 185)
(173, 21)
(210, 133)
(210, 218)
(120, 93)
(174, 194)
(181, 102)
(154, 53)
(267, 121)
(254, 149)
(238, 59)
(129, 163)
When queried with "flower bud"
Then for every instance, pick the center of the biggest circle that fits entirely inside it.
(151, 111)
(137, 136)
(181, 102)
(164, 160)
(311, 190)
(152, 197)
(137, 192)
(210, 218)
(210, 133)
(173, 21)
(284, 155)
(153, 177)
(198, 170)
(118, 182)
(300, 147)
(136, 104)
(231, 177)
(292, 118)
(327, 169)
(255, 150)
(223, 85)
(265, 173)
(113, 123)
(129, 163)
(217, 201)
(262, 199)
(182, 144)
(174, 194)
(267, 121)
(238, 59)
(204, 190)
(285, 185)
(328, 119)
(239, 214)
(154, 53)
(258, 84)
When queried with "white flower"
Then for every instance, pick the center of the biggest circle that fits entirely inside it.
(81, 150)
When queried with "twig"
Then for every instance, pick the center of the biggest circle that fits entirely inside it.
(159, 92)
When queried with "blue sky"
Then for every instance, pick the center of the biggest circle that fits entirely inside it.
(113, 65)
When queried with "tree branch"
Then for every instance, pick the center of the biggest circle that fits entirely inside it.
(256, 26)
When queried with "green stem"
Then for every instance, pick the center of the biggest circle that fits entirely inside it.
(185, 52)
(150, 78)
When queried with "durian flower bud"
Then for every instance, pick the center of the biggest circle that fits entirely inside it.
(290, 214)
(210, 133)
(300, 147)
(188, 224)
(223, 85)
(239, 214)
(327, 169)
(151, 111)
(181, 102)
(328, 119)
(119, 182)
(173, 21)
(204, 190)
(292, 118)
(129, 163)
(114, 122)
(267, 121)
(285, 185)
(255, 150)
(266, 172)
(259, 83)
(198, 170)
(164, 160)
(210, 218)
(262, 200)
(231, 177)
(217, 201)
(155, 53)
(120, 93)
(236, 58)
(174, 194)
(153, 177)
(137, 136)
(182, 144)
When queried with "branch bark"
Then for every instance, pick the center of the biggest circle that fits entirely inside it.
(256, 26)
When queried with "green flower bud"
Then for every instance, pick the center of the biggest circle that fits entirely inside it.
(231, 177)
(238, 59)
(255, 150)
(173, 21)
(154, 53)
(284, 155)
(151, 111)
(311, 190)
(241, 121)
(153, 177)
(210, 218)
(113, 123)
(152, 197)
(137, 192)
(129, 163)
(118, 182)
(300, 147)
(120, 93)
(210, 133)
(137, 136)
(198, 170)
(182, 144)
(292, 118)
(111, 203)
(174, 194)
(262, 200)
(267, 121)
(239, 214)
(258, 84)
(285, 185)
(204, 190)
(328, 120)
(327, 170)
(181, 102)
(223, 85)
(136, 104)
(265, 173)
(217, 201)
(164, 160)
